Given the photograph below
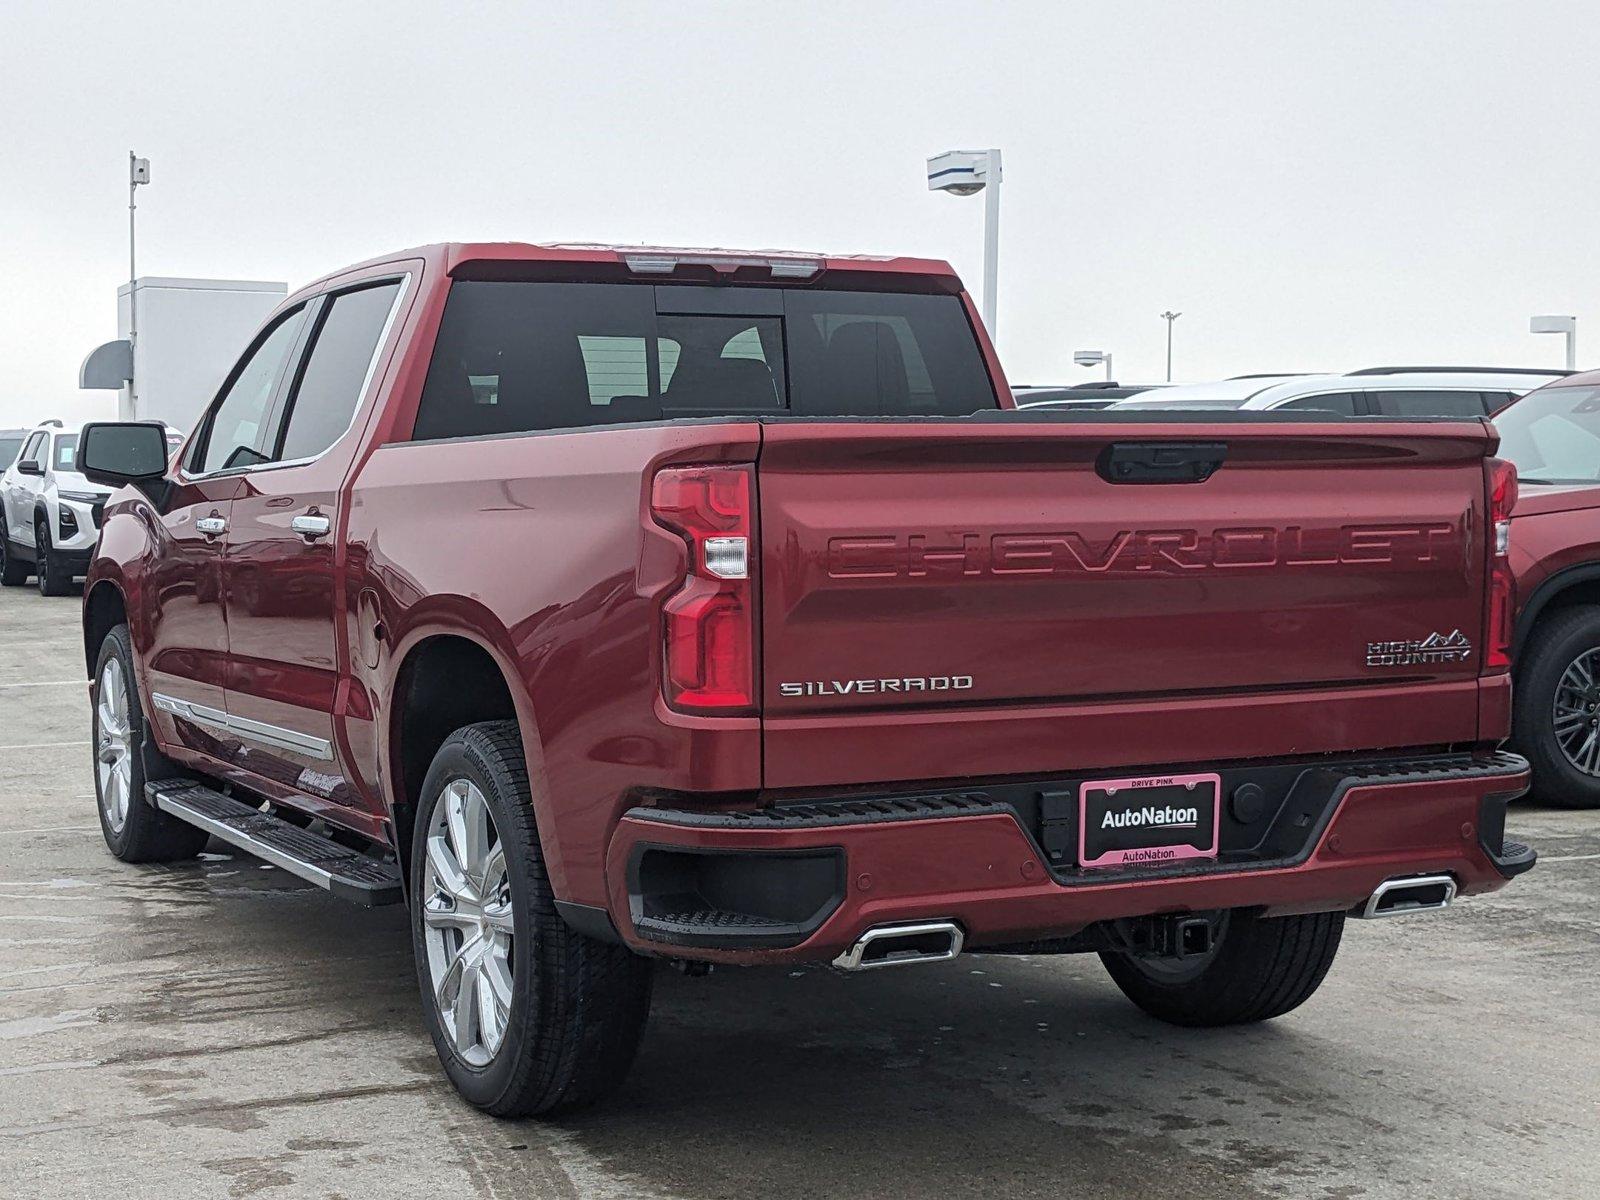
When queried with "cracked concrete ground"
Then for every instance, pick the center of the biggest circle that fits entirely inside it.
(219, 1029)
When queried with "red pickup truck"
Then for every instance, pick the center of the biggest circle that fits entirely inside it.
(611, 606)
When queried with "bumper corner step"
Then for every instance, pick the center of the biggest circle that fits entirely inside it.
(344, 872)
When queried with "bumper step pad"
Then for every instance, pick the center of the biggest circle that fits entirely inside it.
(346, 873)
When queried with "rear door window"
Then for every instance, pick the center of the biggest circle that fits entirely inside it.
(66, 451)
(1442, 403)
(325, 399)
(515, 357)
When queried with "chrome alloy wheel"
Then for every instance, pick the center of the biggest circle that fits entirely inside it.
(1576, 712)
(467, 915)
(113, 742)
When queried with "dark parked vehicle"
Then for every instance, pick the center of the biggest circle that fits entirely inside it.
(611, 607)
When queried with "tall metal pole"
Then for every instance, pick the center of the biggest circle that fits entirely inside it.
(991, 239)
(1169, 318)
(133, 288)
(1572, 347)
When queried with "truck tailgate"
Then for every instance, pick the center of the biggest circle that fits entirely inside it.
(931, 578)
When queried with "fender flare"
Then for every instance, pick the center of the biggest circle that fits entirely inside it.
(1547, 591)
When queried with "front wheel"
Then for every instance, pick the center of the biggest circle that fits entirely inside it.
(1257, 968)
(54, 580)
(528, 1015)
(135, 831)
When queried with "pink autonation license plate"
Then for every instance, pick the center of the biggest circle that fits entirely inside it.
(1153, 820)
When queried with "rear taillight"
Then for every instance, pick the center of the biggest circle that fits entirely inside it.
(708, 624)
(1502, 584)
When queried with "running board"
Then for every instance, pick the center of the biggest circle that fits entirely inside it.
(346, 873)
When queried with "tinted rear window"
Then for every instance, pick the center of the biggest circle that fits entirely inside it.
(1431, 404)
(514, 357)
(8, 450)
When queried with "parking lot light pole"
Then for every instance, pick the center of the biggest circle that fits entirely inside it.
(1566, 325)
(1090, 358)
(138, 173)
(961, 173)
(1169, 318)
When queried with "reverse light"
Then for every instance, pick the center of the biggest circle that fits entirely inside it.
(1502, 477)
(708, 624)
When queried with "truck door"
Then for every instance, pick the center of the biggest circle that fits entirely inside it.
(280, 579)
(184, 636)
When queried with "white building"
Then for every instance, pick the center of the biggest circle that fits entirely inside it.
(190, 332)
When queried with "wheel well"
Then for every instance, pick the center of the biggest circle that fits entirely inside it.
(103, 611)
(1584, 590)
(444, 683)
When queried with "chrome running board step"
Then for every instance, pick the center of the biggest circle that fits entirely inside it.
(346, 873)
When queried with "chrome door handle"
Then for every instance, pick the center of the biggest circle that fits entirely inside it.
(211, 526)
(311, 525)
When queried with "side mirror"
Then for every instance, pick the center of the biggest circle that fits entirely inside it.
(119, 453)
(30, 466)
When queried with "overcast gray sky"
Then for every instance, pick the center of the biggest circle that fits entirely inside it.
(1313, 186)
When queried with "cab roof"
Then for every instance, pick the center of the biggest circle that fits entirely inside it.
(654, 262)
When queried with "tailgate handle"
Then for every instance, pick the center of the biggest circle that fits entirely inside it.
(1160, 462)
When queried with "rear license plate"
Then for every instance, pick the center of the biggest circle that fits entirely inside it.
(1158, 819)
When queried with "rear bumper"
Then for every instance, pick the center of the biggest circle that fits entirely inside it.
(801, 882)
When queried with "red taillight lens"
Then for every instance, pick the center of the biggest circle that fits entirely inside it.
(1502, 583)
(709, 622)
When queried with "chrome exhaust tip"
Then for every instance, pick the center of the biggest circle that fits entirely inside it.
(1418, 893)
(902, 945)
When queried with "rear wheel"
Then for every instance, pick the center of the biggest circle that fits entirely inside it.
(1257, 968)
(135, 831)
(53, 579)
(528, 1015)
(13, 571)
(1555, 722)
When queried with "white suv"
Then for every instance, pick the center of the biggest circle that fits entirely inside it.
(51, 513)
(1374, 392)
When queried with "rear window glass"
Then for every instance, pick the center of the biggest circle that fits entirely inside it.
(1431, 404)
(8, 450)
(66, 451)
(515, 357)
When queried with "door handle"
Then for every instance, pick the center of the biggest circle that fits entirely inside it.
(311, 525)
(211, 526)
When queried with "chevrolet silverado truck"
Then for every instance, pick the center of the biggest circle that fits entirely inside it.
(613, 607)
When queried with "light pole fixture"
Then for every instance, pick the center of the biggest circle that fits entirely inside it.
(1090, 358)
(962, 173)
(1566, 325)
(1169, 318)
(138, 173)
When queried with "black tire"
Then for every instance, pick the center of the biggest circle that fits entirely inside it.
(13, 571)
(578, 1005)
(147, 833)
(1558, 640)
(1259, 968)
(53, 581)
